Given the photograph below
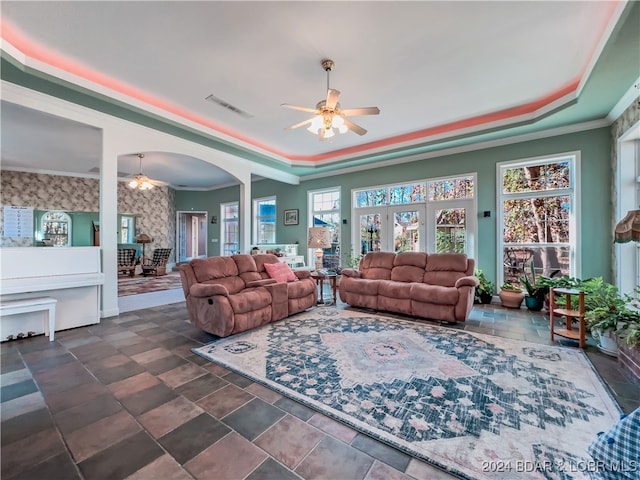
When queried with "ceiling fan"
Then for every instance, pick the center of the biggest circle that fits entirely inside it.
(328, 116)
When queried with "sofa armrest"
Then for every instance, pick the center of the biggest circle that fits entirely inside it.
(469, 281)
(208, 290)
(260, 283)
(351, 272)
(302, 274)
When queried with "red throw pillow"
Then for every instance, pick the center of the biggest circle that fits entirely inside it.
(280, 272)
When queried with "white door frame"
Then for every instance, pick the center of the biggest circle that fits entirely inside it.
(180, 242)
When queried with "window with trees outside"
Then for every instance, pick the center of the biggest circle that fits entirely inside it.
(324, 206)
(537, 200)
(264, 216)
(436, 215)
(230, 228)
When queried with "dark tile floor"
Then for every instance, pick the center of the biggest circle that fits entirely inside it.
(128, 399)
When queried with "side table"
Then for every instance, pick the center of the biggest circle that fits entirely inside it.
(320, 278)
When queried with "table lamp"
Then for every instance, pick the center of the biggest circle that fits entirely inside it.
(143, 238)
(319, 238)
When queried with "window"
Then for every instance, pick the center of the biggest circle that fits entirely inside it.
(324, 207)
(127, 229)
(230, 228)
(56, 229)
(264, 226)
(435, 215)
(537, 217)
(450, 202)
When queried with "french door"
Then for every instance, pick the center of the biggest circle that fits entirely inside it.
(391, 229)
(435, 227)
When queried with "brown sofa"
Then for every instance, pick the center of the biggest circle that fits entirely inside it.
(228, 295)
(435, 286)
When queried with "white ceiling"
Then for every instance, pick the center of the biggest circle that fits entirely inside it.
(37, 142)
(426, 65)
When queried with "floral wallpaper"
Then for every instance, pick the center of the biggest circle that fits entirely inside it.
(155, 214)
(154, 209)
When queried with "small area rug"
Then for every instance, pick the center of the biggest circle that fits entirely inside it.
(476, 406)
(139, 284)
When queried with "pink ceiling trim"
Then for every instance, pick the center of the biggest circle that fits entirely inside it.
(489, 118)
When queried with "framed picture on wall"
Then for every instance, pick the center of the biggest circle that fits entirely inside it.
(291, 217)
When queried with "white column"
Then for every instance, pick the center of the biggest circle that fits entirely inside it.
(245, 214)
(109, 223)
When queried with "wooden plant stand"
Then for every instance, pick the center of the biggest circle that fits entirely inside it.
(569, 314)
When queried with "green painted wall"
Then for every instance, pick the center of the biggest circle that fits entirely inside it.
(595, 175)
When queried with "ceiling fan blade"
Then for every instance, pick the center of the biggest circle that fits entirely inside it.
(354, 128)
(296, 107)
(332, 98)
(361, 111)
(304, 122)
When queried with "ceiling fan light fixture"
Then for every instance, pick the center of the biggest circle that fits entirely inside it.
(140, 181)
(316, 124)
(329, 118)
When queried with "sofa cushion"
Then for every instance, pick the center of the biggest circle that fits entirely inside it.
(391, 289)
(439, 295)
(280, 272)
(445, 268)
(212, 268)
(360, 286)
(250, 299)
(247, 268)
(409, 267)
(377, 265)
(232, 284)
(301, 289)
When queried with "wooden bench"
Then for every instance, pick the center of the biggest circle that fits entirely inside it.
(27, 305)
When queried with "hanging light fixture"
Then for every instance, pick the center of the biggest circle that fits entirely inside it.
(329, 118)
(140, 181)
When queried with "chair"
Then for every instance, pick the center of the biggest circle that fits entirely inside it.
(157, 265)
(127, 261)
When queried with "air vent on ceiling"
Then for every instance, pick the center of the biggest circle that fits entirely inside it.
(228, 106)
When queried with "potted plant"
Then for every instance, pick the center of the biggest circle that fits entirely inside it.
(535, 292)
(510, 295)
(607, 324)
(352, 260)
(484, 290)
(606, 313)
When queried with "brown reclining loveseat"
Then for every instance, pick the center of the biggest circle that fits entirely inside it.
(228, 295)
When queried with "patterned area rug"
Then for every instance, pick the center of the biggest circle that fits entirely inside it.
(477, 406)
(139, 284)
